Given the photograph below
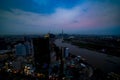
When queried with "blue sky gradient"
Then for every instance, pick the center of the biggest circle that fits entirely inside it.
(73, 16)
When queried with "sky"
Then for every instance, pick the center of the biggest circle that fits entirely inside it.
(100, 17)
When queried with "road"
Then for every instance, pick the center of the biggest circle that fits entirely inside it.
(105, 62)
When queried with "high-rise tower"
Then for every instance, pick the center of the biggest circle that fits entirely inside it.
(41, 54)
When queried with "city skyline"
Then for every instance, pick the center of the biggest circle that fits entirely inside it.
(73, 16)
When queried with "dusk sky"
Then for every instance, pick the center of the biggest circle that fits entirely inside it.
(73, 16)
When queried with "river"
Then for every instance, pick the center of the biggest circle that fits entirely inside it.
(105, 62)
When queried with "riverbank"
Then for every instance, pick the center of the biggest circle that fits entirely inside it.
(99, 60)
(101, 46)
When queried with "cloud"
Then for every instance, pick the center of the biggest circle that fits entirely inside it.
(85, 17)
(19, 20)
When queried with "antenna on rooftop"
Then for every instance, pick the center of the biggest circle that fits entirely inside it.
(62, 34)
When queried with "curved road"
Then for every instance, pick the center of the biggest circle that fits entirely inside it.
(99, 60)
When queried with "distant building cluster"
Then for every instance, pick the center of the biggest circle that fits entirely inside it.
(39, 58)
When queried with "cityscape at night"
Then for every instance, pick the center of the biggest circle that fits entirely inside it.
(59, 39)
